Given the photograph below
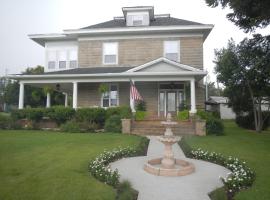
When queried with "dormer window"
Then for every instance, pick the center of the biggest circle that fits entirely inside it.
(138, 15)
(137, 20)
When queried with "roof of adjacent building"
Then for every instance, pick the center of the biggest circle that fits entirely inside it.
(92, 70)
(217, 100)
(158, 21)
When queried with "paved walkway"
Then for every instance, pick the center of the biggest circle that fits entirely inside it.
(195, 186)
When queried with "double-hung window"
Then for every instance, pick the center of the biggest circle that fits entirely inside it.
(110, 98)
(62, 59)
(51, 59)
(73, 59)
(172, 50)
(110, 53)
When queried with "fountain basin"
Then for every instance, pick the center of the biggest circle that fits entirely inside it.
(182, 168)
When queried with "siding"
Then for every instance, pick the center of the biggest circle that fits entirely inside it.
(133, 52)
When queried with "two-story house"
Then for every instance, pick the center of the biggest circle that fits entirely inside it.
(162, 55)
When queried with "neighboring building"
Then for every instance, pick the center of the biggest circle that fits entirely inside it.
(162, 55)
(220, 104)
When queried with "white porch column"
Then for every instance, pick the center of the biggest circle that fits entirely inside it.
(66, 99)
(48, 102)
(131, 101)
(192, 97)
(21, 95)
(75, 94)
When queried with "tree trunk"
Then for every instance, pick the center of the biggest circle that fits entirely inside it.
(254, 108)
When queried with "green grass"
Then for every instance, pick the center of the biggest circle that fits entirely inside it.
(47, 165)
(249, 146)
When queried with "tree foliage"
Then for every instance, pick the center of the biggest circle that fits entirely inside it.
(245, 71)
(247, 14)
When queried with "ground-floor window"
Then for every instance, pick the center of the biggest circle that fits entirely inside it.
(110, 98)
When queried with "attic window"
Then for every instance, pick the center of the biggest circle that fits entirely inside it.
(137, 20)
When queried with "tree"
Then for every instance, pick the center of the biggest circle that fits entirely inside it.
(245, 71)
(213, 91)
(247, 14)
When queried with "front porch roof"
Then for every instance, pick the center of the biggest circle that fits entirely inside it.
(160, 69)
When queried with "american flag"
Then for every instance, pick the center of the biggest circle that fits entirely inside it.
(134, 93)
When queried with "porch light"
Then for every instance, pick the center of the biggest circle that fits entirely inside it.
(57, 86)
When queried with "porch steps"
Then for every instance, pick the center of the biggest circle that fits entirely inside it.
(154, 127)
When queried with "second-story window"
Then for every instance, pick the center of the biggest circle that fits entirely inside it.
(73, 59)
(172, 50)
(51, 59)
(62, 59)
(110, 53)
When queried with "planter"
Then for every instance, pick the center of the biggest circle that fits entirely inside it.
(126, 126)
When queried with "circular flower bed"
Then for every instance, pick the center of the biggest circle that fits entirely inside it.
(99, 166)
(241, 176)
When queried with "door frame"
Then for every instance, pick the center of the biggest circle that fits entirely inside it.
(177, 91)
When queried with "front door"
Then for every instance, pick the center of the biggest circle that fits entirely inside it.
(171, 104)
(167, 103)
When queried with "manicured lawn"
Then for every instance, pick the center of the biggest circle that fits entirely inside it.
(47, 165)
(247, 145)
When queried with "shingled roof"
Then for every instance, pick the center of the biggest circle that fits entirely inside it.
(91, 70)
(159, 21)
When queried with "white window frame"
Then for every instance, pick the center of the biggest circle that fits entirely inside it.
(178, 48)
(137, 16)
(70, 58)
(103, 53)
(109, 86)
(64, 52)
(51, 60)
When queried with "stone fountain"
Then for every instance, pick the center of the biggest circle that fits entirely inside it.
(168, 165)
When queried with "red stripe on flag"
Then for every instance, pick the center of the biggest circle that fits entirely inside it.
(134, 93)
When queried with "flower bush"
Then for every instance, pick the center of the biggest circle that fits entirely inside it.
(241, 176)
(99, 166)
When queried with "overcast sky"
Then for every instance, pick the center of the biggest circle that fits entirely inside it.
(18, 18)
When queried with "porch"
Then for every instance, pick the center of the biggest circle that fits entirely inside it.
(165, 85)
(160, 97)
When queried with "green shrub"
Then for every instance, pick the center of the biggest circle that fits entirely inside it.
(247, 121)
(140, 115)
(214, 126)
(113, 124)
(5, 121)
(78, 127)
(183, 115)
(18, 114)
(34, 114)
(140, 106)
(91, 115)
(70, 127)
(126, 192)
(61, 114)
(123, 111)
(204, 114)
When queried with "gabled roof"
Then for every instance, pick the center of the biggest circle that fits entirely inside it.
(158, 21)
(165, 60)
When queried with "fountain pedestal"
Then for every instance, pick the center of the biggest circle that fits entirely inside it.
(168, 165)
